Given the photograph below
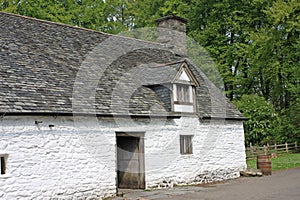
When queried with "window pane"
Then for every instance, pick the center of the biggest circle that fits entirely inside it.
(2, 165)
(186, 144)
(183, 93)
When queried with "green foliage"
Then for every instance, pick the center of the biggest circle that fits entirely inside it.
(175, 7)
(265, 125)
(289, 128)
(274, 54)
(49, 10)
(259, 129)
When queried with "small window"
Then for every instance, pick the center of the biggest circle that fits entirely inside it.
(3, 164)
(183, 93)
(186, 145)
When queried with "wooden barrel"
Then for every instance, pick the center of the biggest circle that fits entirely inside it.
(264, 164)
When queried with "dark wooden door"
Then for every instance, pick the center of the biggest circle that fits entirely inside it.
(130, 161)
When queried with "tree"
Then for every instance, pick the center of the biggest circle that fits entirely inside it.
(53, 10)
(223, 28)
(275, 56)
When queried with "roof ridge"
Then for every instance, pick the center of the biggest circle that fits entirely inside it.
(77, 27)
(55, 23)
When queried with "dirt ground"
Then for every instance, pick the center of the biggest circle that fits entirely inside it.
(280, 185)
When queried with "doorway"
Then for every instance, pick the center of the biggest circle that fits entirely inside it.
(130, 161)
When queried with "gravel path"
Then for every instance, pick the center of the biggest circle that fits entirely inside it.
(283, 184)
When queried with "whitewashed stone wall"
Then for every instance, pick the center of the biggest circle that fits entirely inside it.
(218, 153)
(77, 159)
(67, 162)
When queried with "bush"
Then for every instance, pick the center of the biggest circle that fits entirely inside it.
(259, 129)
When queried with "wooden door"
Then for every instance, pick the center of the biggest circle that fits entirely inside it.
(130, 162)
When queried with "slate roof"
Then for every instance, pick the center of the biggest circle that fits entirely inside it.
(52, 68)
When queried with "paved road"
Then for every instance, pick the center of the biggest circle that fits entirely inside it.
(283, 184)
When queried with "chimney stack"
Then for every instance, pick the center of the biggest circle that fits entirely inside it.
(172, 32)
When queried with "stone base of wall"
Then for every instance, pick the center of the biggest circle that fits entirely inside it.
(216, 176)
(202, 178)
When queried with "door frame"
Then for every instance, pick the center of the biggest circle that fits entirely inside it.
(141, 136)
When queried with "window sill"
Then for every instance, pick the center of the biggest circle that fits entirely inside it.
(187, 154)
(182, 114)
(184, 103)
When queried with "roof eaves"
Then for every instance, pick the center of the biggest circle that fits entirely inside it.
(55, 114)
(238, 118)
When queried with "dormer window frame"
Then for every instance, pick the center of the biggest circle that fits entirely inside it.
(184, 91)
(184, 94)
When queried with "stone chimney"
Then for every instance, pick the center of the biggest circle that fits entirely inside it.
(172, 32)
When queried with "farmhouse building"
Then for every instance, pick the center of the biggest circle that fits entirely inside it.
(83, 113)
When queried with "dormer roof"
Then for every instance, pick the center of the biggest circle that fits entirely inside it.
(169, 73)
(185, 75)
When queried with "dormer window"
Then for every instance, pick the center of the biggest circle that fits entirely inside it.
(175, 85)
(183, 98)
(184, 91)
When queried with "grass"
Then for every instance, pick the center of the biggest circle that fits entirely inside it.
(284, 161)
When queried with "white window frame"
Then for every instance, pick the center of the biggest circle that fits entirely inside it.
(188, 105)
(188, 98)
